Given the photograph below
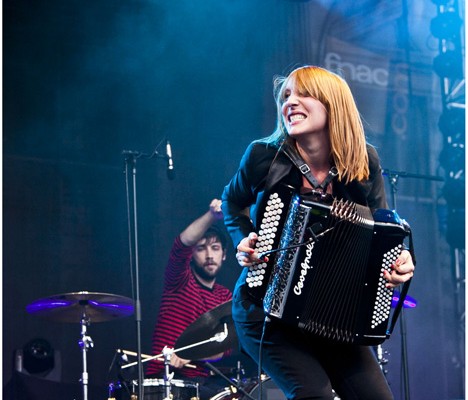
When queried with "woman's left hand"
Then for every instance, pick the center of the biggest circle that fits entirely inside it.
(402, 270)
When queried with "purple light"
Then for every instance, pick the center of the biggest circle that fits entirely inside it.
(41, 305)
(117, 306)
(409, 302)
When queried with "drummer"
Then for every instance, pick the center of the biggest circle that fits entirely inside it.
(190, 290)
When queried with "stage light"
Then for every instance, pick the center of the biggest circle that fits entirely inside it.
(446, 25)
(452, 158)
(449, 65)
(452, 124)
(38, 357)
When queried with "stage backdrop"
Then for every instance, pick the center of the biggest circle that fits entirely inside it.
(85, 81)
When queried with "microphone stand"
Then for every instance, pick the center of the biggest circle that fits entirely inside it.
(393, 177)
(132, 214)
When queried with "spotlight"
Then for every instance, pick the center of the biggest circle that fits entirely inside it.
(38, 357)
(446, 25)
(452, 159)
(456, 226)
(449, 65)
(454, 193)
(452, 123)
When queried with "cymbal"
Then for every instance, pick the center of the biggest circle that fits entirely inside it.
(72, 307)
(409, 301)
(205, 327)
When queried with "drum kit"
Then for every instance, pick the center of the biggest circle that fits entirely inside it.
(212, 333)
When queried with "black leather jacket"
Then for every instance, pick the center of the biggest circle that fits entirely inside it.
(262, 167)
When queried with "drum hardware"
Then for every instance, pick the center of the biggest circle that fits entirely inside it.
(239, 371)
(211, 333)
(208, 324)
(115, 388)
(237, 374)
(193, 344)
(85, 343)
(234, 387)
(218, 337)
(165, 357)
(83, 307)
(167, 352)
(381, 358)
(252, 390)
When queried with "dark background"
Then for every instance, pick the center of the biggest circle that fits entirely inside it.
(85, 80)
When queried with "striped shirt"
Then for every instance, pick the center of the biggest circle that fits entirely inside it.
(183, 300)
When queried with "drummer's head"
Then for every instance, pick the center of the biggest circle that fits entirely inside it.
(209, 253)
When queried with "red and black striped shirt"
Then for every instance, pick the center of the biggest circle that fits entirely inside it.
(183, 300)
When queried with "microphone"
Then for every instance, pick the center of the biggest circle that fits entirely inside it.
(170, 161)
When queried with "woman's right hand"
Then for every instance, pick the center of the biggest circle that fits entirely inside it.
(246, 254)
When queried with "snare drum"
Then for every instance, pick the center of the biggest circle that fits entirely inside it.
(154, 389)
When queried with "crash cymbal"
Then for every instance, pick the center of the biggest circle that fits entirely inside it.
(409, 301)
(205, 327)
(71, 307)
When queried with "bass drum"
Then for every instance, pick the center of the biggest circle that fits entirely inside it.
(269, 392)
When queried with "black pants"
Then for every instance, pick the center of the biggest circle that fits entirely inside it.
(308, 368)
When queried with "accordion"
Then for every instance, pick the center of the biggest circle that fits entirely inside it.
(325, 272)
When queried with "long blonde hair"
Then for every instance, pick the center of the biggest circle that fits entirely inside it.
(347, 139)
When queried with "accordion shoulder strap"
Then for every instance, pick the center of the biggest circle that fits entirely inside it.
(296, 159)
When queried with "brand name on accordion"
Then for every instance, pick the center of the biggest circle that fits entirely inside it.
(305, 266)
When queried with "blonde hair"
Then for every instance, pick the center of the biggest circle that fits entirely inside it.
(347, 139)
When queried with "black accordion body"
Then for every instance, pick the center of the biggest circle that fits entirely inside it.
(327, 278)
